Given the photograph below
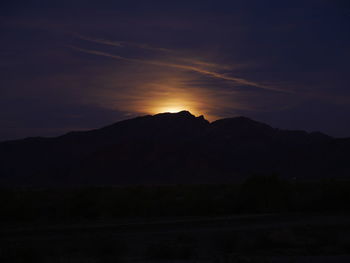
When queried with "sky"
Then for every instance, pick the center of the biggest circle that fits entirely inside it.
(79, 65)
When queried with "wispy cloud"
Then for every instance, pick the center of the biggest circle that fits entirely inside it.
(122, 43)
(175, 53)
(100, 41)
(193, 68)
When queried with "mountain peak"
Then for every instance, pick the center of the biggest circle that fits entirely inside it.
(171, 148)
(240, 121)
(183, 113)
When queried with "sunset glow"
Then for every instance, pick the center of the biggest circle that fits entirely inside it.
(178, 100)
(171, 105)
(171, 109)
(165, 95)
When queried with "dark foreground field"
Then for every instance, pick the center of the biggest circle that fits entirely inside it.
(264, 219)
(244, 238)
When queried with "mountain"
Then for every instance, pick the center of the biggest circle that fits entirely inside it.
(172, 148)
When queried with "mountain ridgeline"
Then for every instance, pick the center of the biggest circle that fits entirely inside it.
(172, 148)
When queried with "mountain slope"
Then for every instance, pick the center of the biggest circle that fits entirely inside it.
(172, 148)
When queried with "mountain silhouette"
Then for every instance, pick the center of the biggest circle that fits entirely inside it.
(172, 148)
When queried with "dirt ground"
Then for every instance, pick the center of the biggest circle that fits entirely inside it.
(247, 238)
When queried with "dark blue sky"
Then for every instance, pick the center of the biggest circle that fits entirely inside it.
(82, 65)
